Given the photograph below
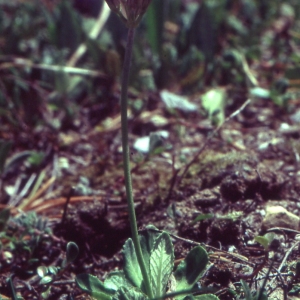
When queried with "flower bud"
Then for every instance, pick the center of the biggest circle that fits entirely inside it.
(130, 11)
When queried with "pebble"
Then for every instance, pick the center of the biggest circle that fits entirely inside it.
(278, 216)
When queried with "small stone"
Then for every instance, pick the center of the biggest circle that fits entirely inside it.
(278, 216)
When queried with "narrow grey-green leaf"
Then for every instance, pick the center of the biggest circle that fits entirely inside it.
(125, 293)
(94, 287)
(202, 217)
(161, 264)
(246, 289)
(131, 266)
(189, 271)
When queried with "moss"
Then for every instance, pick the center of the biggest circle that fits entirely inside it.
(214, 166)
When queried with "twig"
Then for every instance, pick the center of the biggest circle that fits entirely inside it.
(237, 256)
(285, 259)
(63, 282)
(63, 218)
(273, 275)
(265, 281)
(194, 159)
(283, 229)
(27, 203)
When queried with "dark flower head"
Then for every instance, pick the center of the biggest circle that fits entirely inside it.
(130, 11)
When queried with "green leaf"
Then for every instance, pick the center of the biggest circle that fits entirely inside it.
(46, 294)
(155, 19)
(125, 293)
(131, 266)
(233, 216)
(42, 271)
(161, 264)
(252, 296)
(46, 279)
(132, 269)
(36, 158)
(202, 217)
(72, 252)
(53, 270)
(262, 296)
(94, 287)
(213, 102)
(115, 280)
(147, 240)
(4, 217)
(246, 289)
(189, 271)
(265, 240)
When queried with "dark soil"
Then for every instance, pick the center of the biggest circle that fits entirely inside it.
(232, 185)
(237, 169)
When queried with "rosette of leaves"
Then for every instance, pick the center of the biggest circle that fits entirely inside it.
(158, 253)
(50, 274)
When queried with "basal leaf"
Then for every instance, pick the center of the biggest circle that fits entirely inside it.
(131, 266)
(161, 264)
(94, 287)
(189, 271)
(125, 293)
(147, 240)
(115, 280)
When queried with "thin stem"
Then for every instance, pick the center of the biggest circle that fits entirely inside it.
(126, 161)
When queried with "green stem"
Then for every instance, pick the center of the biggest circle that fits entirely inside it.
(126, 161)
